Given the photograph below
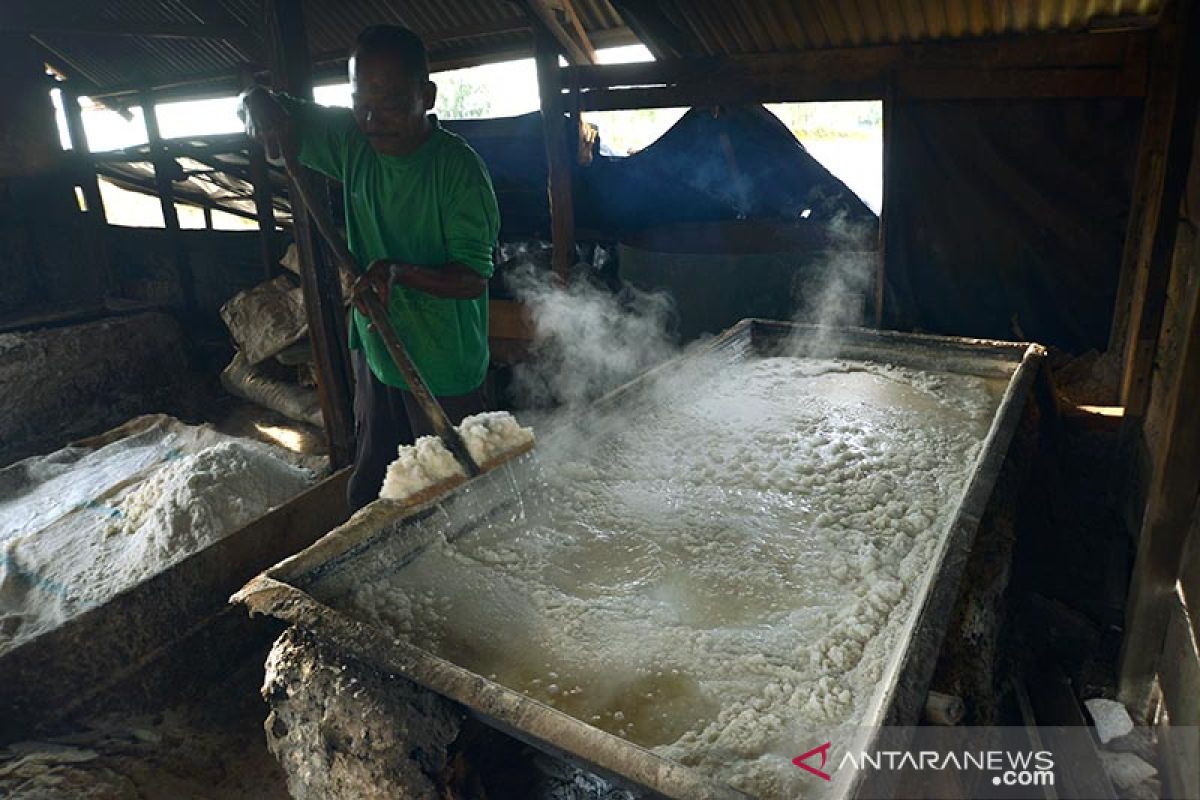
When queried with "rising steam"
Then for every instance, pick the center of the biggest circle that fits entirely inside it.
(588, 340)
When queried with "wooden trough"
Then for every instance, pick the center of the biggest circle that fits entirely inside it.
(290, 590)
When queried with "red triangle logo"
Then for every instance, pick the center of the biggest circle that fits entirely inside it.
(824, 751)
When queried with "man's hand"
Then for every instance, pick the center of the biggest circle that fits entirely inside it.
(379, 278)
(267, 121)
(451, 280)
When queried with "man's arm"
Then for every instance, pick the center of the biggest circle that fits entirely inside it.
(452, 280)
(266, 120)
(316, 134)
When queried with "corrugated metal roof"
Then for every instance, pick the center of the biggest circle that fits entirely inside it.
(454, 30)
(466, 31)
(719, 27)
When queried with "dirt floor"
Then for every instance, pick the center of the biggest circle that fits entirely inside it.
(210, 748)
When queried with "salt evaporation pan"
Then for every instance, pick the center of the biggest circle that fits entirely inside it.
(722, 575)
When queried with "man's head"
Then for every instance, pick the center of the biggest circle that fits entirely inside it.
(390, 86)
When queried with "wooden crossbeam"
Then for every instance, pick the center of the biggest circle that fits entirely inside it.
(1084, 65)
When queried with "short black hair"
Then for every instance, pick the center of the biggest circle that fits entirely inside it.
(398, 42)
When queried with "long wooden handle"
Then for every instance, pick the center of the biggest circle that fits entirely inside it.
(377, 314)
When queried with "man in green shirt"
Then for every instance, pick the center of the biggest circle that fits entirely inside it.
(421, 215)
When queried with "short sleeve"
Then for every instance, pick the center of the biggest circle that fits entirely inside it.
(323, 134)
(472, 217)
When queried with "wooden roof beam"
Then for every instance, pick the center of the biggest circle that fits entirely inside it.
(584, 40)
(1109, 65)
(544, 18)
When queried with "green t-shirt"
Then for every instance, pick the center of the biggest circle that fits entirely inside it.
(432, 207)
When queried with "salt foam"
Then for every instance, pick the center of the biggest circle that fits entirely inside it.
(720, 576)
(427, 463)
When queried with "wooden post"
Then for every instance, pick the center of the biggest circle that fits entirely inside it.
(79, 145)
(889, 134)
(558, 157)
(164, 166)
(264, 210)
(1171, 498)
(1151, 253)
(1163, 156)
(264, 207)
(86, 170)
(291, 72)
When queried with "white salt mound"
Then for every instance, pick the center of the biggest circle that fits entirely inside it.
(132, 529)
(427, 462)
(197, 499)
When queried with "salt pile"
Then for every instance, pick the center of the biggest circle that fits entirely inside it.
(92, 547)
(195, 499)
(427, 463)
(719, 576)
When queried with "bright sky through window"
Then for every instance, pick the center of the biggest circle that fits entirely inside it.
(845, 137)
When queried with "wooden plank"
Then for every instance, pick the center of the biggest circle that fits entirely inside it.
(581, 33)
(288, 45)
(1179, 666)
(1027, 66)
(1171, 499)
(1022, 52)
(97, 223)
(1153, 433)
(164, 167)
(1179, 684)
(1189, 572)
(79, 145)
(1060, 725)
(1164, 154)
(84, 84)
(1179, 759)
(546, 21)
(889, 196)
(151, 188)
(264, 206)
(508, 319)
(925, 85)
(558, 157)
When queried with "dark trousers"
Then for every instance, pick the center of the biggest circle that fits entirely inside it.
(385, 418)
